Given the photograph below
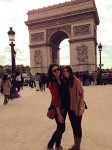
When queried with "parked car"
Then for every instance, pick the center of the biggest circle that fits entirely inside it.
(26, 77)
(105, 78)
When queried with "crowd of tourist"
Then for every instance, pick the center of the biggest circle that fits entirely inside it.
(11, 86)
(38, 81)
(95, 78)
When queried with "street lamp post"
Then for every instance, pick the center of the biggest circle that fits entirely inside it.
(100, 64)
(100, 50)
(14, 92)
(11, 34)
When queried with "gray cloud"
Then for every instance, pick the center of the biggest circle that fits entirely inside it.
(19, 51)
(22, 60)
(7, 49)
(104, 10)
(3, 59)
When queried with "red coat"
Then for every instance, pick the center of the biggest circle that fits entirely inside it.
(55, 98)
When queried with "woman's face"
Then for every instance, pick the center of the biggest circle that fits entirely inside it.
(56, 71)
(66, 73)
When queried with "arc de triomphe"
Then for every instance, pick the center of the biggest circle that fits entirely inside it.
(76, 20)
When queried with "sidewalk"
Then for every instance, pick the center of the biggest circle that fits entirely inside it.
(24, 125)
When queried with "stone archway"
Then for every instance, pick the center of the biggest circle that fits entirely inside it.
(54, 40)
(48, 26)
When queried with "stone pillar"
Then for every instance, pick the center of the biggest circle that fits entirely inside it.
(82, 56)
(40, 52)
(83, 47)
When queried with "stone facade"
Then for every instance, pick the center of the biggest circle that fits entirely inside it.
(49, 26)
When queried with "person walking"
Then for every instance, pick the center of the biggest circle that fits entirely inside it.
(54, 84)
(1, 89)
(31, 81)
(37, 78)
(6, 85)
(43, 82)
(19, 80)
(73, 97)
(95, 77)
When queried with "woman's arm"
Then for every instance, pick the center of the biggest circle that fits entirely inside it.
(81, 100)
(56, 100)
(55, 94)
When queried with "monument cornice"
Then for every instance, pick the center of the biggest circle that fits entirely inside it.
(42, 45)
(57, 6)
(82, 40)
(83, 64)
(61, 9)
(62, 20)
(73, 13)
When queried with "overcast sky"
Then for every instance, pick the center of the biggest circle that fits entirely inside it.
(13, 13)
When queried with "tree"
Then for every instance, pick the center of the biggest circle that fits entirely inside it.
(1, 70)
(24, 69)
(8, 70)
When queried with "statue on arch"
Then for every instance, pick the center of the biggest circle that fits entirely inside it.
(38, 57)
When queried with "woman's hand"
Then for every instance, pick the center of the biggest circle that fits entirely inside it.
(60, 118)
(81, 111)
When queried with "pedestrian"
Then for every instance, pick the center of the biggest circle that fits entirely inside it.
(19, 81)
(73, 97)
(31, 81)
(54, 84)
(95, 77)
(37, 78)
(40, 82)
(6, 85)
(43, 82)
(1, 89)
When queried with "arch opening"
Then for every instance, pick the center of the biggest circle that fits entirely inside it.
(60, 48)
(64, 52)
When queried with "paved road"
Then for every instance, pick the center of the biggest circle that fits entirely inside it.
(24, 125)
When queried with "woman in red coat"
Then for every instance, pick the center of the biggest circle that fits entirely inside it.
(54, 84)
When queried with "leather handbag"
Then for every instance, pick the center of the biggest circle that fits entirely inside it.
(51, 112)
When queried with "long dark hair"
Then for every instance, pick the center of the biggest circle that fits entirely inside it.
(5, 77)
(51, 77)
(71, 78)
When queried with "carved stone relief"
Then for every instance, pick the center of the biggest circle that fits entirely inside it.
(60, 21)
(38, 57)
(37, 37)
(63, 28)
(80, 30)
(82, 54)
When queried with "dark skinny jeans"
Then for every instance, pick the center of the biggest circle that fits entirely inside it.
(75, 123)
